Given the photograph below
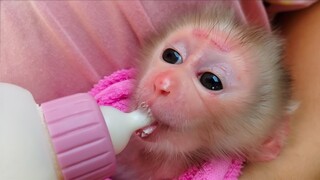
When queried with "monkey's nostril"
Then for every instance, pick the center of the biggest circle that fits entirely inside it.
(163, 85)
(164, 92)
(161, 89)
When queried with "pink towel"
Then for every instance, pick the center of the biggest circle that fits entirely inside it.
(115, 90)
(226, 169)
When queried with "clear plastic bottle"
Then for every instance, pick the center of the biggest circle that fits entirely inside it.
(67, 138)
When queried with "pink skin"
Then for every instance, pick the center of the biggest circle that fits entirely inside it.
(177, 98)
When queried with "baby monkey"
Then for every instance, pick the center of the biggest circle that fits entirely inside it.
(216, 88)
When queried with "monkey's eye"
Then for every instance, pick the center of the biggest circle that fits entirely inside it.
(211, 81)
(171, 56)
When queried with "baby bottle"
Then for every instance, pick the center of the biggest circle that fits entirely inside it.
(67, 138)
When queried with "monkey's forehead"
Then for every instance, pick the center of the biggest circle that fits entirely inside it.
(217, 39)
(219, 19)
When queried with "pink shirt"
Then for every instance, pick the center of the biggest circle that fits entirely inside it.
(58, 48)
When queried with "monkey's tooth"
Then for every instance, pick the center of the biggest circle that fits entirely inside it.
(143, 135)
(149, 129)
(146, 131)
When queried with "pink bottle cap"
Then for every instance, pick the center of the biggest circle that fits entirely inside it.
(80, 137)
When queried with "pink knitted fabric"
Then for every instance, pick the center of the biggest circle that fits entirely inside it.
(115, 90)
(226, 169)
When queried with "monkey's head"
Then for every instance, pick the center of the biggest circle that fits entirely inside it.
(215, 87)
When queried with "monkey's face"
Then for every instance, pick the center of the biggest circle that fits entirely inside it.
(194, 82)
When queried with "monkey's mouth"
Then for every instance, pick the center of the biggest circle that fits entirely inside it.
(148, 130)
(152, 131)
(154, 128)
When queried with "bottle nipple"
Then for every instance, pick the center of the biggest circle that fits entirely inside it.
(122, 125)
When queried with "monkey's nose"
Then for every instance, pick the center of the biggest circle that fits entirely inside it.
(162, 85)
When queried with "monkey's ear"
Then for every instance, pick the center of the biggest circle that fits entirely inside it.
(272, 146)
